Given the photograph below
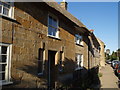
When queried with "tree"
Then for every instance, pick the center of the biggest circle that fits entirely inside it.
(114, 56)
(107, 56)
(118, 54)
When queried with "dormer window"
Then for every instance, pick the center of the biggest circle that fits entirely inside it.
(6, 9)
(53, 27)
(78, 39)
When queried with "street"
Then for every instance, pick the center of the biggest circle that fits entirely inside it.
(108, 79)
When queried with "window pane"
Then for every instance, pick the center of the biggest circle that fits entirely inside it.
(54, 31)
(6, 5)
(1, 3)
(79, 60)
(50, 20)
(4, 50)
(5, 11)
(2, 67)
(3, 58)
(78, 39)
(54, 23)
(49, 30)
(2, 76)
(0, 9)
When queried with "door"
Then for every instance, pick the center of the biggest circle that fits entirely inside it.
(51, 69)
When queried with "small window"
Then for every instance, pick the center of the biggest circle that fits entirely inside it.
(6, 8)
(78, 39)
(5, 60)
(53, 27)
(40, 61)
(79, 60)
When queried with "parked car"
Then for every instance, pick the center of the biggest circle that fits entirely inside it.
(114, 62)
(108, 61)
(118, 69)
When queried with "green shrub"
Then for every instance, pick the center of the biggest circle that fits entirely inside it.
(99, 74)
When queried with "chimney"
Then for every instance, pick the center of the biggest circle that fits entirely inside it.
(91, 30)
(63, 4)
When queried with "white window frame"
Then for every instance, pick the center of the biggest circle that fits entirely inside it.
(8, 64)
(79, 41)
(57, 32)
(10, 10)
(79, 59)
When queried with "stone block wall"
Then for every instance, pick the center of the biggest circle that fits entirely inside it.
(27, 35)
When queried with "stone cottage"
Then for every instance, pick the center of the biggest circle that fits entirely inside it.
(94, 50)
(41, 46)
(102, 53)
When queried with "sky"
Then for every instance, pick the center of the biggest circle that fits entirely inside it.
(102, 17)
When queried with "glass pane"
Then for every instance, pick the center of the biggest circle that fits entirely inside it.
(6, 5)
(4, 49)
(5, 11)
(3, 58)
(50, 20)
(80, 37)
(54, 31)
(0, 9)
(2, 67)
(76, 38)
(1, 3)
(54, 23)
(49, 30)
(2, 76)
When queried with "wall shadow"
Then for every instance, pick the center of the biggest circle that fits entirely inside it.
(94, 78)
(79, 78)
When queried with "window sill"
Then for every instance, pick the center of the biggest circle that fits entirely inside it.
(5, 83)
(40, 75)
(54, 37)
(8, 18)
(79, 44)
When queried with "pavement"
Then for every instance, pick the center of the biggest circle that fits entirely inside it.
(108, 79)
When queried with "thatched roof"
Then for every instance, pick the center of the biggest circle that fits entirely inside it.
(64, 12)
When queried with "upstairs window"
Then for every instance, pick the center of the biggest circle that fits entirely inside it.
(78, 39)
(53, 27)
(6, 9)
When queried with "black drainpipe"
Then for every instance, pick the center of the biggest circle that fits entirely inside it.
(88, 53)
